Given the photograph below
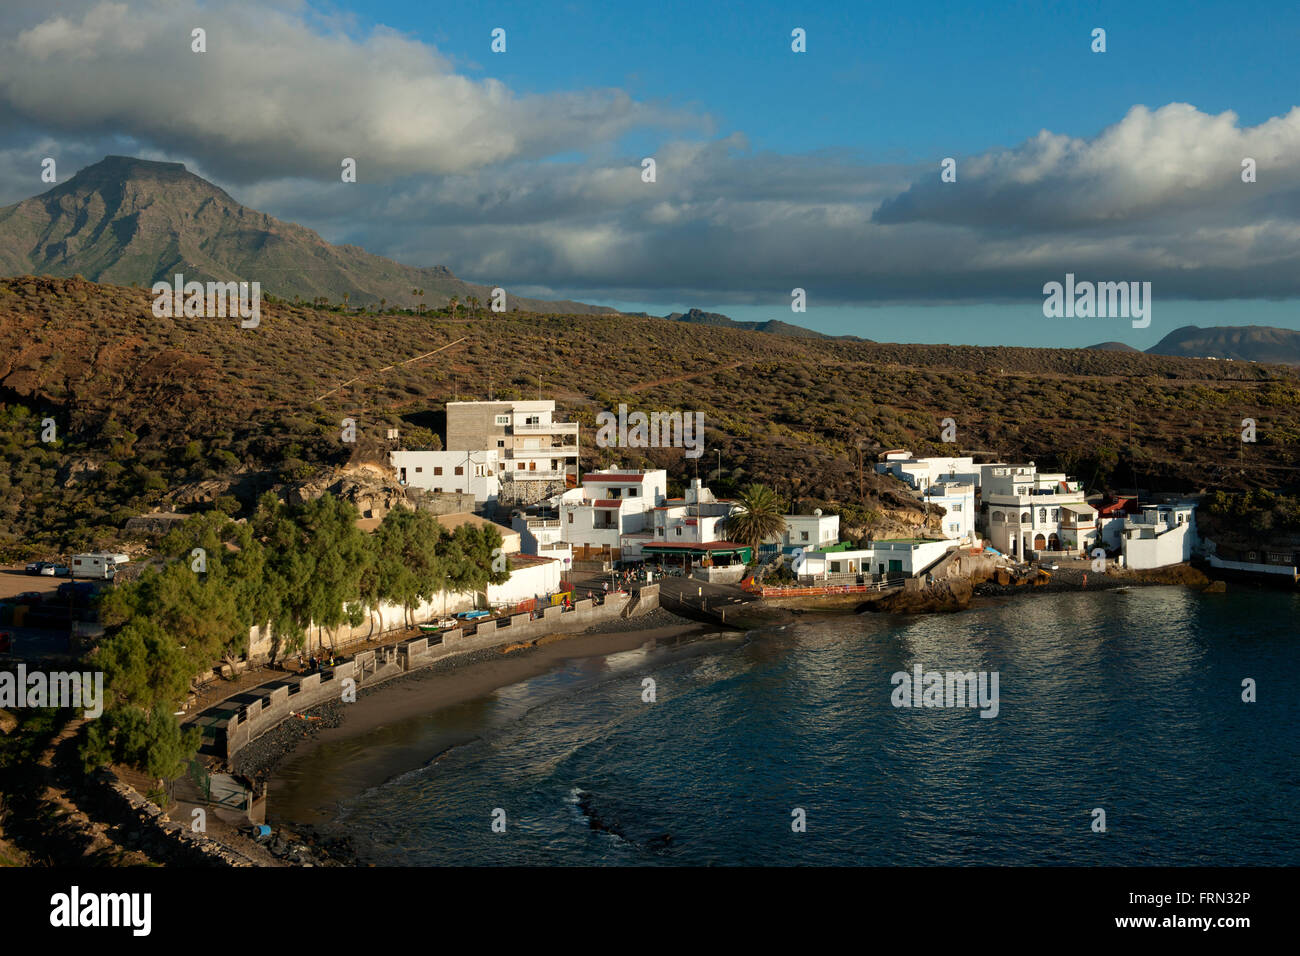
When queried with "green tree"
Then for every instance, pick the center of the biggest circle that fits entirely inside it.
(759, 515)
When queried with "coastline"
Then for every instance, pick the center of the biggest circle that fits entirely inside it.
(479, 674)
(449, 683)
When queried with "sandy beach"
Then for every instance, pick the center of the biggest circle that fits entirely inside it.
(338, 749)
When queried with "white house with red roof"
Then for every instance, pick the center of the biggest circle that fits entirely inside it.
(609, 515)
(693, 530)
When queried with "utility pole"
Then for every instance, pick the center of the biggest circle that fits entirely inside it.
(861, 497)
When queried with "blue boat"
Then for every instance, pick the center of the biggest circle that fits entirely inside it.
(473, 615)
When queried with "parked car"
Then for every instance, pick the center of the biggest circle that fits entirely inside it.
(46, 569)
(60, 570)
(38, 567)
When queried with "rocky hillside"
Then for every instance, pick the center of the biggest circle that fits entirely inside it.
(146, 409)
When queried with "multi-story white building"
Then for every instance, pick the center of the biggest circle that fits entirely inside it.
(958, 501)
(468, 472)
(693, 529)
(1160, 535)
(811, 531)
(1027, 513)
(538, 456)
(920, 473)
(610, 515)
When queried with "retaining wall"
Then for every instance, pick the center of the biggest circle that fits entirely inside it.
(372, 667)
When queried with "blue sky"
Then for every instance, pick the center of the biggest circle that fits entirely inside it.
(776, 170)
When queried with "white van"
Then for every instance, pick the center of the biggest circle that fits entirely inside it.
(100, 564)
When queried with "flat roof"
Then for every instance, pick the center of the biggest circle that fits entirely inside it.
(707, 546)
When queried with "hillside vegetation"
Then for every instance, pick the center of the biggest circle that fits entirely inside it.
(146, 406)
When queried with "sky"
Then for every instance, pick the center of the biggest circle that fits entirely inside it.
(774, 169)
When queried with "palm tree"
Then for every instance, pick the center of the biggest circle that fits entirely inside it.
(759, 515)
(451, 305)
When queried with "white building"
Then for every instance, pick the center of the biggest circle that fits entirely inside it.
(1027, 513)
(538, 456)
(467, 472)
(1161, 535)
(693, 529)
(908, 557)
(811, 532)
(611, 514)
(957, 499)
(920, 473)
(698, 518)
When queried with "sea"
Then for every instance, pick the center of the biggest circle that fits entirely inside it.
(1154, 726)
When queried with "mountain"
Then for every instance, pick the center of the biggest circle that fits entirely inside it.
(1113, 347)
(1244, 343)
(132, 221)
(773, 326)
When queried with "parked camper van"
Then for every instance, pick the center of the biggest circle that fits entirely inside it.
(100, 564)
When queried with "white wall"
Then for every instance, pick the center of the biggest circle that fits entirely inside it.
(526, 583)
(480, 476)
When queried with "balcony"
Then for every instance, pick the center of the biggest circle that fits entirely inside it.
(557, 428)
(538, 454)
(538, 475)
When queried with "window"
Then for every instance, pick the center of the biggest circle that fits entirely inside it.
(634, 492)
(803, 535)
(1056, 514)
(437, 491)
(519, 466)
(570, 517)
(613, 493)
(532, 420)
(460, 469)
(1024, 517)
(418, 469)
(1042, 514)
(503, 420)
(501, 443)
(679, 532)
(437, 470)
(956, 508)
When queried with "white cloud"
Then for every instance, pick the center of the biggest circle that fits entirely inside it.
(275, 95)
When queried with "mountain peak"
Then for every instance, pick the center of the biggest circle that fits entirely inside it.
(126, 220)
(120, 169)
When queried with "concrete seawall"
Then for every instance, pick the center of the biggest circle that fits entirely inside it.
(373, 667)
